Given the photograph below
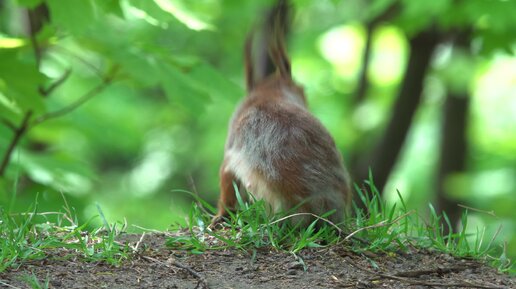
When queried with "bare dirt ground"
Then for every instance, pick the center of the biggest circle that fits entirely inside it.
(333, 267)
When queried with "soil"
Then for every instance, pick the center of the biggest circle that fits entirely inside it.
(330, 267)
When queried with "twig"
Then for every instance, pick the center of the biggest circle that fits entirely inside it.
(433, 283)
(363, 82)
(148, 230)
(139, 242)
(8, 285)
(68, 215)
(495, 236)
(36, 214)
(47, 91)
(18, 133)
(380, 224)
(200, 279)
(194, 189)
(398, 277)
(87, 96)
(35, 25)
(342, 284)
(417, 273)
(490, 213)
(25, 125)
(9, 124)
(93, 68)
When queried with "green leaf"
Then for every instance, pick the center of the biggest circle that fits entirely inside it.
(457, 74)
(74, 15)
(142, 69)
(6, 134)
(215, 83)
(416, 15)
(29, 3)
(183, 15)
(20, 81)
(182, 89)
(111, 6)
(8, 109)
(150, 11)
(58, 171)
(378, 7)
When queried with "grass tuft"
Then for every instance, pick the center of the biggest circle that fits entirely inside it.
(34, 283)
(379, 228)
(32, 236)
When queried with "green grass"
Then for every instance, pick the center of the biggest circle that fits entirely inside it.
(34, 283)
(381, 229)
(249, 227)
(34, 236)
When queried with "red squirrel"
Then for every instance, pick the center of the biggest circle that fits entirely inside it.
(276, 149)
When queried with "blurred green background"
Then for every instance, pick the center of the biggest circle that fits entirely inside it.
(125, 103)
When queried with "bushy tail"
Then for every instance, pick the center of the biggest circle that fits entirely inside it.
(264, 51)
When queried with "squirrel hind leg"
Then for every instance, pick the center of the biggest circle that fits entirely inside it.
(227, 200)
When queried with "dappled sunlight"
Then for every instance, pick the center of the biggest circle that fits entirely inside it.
(494, 105)
(10, 42)
(398, 183)
(340, 46)
(156, 165)
(183, 15)
(489, 184)
(367, 116)
(413, 175)
(389, 56)
(141, 14)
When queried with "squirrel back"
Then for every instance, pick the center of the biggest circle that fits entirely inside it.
(276, 149)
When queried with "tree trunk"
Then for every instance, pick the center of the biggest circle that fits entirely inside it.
(453, 151)
(384, 155)
(453, 147)
(363, 80)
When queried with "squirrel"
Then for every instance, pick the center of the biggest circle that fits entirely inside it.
(275, 148)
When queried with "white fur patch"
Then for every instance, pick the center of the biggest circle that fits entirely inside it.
(253, 182)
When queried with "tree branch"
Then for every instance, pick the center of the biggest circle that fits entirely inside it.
(79, 58)
(18, 133)
(47, 91)
(36, 19)
(108, 79)
(453, 147)
(9, 124)
(363, 81)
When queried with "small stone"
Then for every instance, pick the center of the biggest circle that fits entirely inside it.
(295, 266)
